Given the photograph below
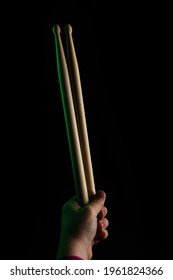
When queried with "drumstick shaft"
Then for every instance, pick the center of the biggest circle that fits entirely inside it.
(70, 121)
(79, 110)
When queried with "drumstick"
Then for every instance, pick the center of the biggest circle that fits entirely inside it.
(70, 120)
(79, 110)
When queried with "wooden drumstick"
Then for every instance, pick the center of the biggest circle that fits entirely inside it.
(79, 110)
(70, 120)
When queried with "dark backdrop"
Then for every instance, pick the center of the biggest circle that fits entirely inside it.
(124, 59)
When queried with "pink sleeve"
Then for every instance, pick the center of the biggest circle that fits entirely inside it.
(71, 258)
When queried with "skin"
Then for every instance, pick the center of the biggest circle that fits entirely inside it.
(83, 227)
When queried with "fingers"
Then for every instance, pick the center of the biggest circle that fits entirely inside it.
(97, 202)
(100, 236)
(102, 213)
(102, 224)
(103, 234)
(71, 205)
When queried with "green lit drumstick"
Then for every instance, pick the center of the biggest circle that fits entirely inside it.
(73, 115)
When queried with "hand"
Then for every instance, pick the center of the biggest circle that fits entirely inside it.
(83, 227)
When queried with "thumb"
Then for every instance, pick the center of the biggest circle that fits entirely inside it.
(97, 201)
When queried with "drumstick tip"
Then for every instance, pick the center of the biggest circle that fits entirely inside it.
(68, 29)
(56, 29)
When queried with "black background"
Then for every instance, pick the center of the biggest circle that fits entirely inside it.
(124, 59)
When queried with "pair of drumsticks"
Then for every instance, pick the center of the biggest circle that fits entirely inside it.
(74, 113)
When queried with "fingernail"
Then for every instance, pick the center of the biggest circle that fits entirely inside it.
(101, 194)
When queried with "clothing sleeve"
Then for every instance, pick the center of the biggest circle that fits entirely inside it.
(71, 258)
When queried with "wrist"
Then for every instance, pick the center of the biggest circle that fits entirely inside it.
(74, 248)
